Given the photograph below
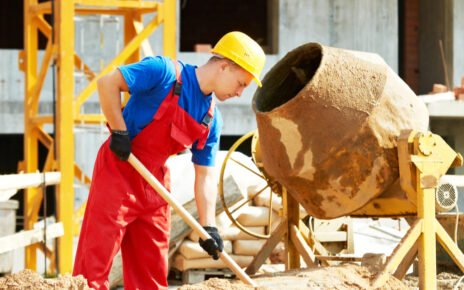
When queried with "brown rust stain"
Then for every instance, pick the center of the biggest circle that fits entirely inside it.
(335, 114)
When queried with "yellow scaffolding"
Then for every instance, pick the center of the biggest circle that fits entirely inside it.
(60, 50)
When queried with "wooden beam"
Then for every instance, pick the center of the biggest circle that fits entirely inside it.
(399, 253)
(7, 193)
(19, 181)
(314, 244)
(336, 236)
(339, 258)
(302, 246)
(26, 238)
(291, 210)
(403, 268)
(276, 236)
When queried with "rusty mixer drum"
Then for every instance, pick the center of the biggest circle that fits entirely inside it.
(328, 120)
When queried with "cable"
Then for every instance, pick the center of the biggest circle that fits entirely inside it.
(312, 235)
(456, 225)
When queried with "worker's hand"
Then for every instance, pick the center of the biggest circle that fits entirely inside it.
(212, 246)
(120, 144)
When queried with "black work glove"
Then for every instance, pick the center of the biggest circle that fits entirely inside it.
(120, 144)
(212, 246)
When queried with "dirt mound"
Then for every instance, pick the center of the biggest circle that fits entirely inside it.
(30, 280)
(445, 281)
(336, 277)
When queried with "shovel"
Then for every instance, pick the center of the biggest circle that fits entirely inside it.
(187, 217)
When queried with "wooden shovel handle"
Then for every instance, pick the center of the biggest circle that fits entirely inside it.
(187, 217)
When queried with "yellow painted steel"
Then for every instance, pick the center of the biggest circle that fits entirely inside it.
(64, 39)
(78, 119)
(89, 119)
(399, 253)
(120, 59)
(449, 245)
(386, 207)
(168, 14)
(28, 61)
(130, 33)
(424, 158)
(118, 3)
(427, 243)
(67, 106)
(41, 8)
(79, 213)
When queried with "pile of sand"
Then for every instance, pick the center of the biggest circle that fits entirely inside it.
(28, 279)
(348, 276)
(445, 281)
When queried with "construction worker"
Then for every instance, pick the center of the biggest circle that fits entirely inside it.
(171, 109)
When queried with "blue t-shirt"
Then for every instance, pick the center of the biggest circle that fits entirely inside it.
(150, 81)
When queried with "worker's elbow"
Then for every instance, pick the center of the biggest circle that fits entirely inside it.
(102, 81)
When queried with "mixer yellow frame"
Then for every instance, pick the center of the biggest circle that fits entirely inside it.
(423, 159)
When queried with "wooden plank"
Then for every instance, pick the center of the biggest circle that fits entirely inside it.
(337, 236)
(448, 244)
(314, 244)
(267, 248)
(403, 268)
(26, 238)
(18, 181)
(302, 246)
(399, 253)
(193, 276)
(6, 194)
(339, 258)
(292, 212)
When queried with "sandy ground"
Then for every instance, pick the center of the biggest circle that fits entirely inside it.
(29, 280)
(347, 276)
(336, 277)
(445, 281)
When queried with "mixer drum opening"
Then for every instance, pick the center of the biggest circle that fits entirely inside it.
(288, 78)
(328, 121)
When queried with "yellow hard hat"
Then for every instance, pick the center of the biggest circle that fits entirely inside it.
(244, 51)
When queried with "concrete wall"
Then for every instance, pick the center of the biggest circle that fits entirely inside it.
(356, 24)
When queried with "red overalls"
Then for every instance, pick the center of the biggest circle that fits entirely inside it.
(123, 211)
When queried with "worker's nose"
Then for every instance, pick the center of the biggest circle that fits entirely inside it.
(239, 92)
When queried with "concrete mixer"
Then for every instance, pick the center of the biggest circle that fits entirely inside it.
(340, 134)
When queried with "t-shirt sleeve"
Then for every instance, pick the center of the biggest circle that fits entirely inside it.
(144, 75)
(207, 156)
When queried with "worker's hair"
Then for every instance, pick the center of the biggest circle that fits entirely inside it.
(216, 58)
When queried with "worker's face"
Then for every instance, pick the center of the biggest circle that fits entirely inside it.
(232, 80)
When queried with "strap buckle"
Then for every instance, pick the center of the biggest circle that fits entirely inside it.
(206, 120)
(177, 88)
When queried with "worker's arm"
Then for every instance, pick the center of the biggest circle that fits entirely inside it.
(110, 87)
(205, 197)
(205, 194)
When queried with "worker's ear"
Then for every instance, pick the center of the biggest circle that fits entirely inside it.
(223, 65)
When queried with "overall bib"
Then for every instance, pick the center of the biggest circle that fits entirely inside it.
(124, 211)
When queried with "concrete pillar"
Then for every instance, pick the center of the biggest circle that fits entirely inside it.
(436, 23)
